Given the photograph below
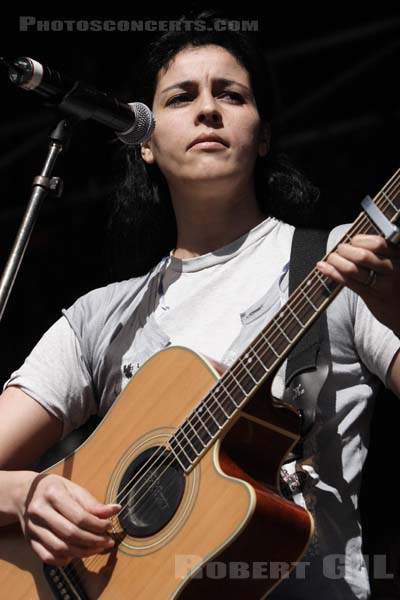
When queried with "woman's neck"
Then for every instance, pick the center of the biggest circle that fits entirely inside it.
(206, 225)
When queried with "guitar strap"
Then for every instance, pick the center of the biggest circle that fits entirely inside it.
(305, 373)
(306, 370)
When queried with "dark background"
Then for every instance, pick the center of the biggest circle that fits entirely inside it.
(336, 74)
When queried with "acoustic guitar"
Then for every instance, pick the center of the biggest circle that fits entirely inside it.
(192, 452)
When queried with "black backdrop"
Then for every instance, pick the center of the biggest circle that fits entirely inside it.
(336, 72)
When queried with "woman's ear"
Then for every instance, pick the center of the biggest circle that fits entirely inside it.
(146, 152)
(265, 139)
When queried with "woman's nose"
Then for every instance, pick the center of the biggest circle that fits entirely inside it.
(208, 110)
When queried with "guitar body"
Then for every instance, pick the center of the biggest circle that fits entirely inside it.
(222, 530)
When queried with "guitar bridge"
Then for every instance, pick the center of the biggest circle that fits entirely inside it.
(64, 583)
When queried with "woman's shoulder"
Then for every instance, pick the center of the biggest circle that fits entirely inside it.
(100, 302)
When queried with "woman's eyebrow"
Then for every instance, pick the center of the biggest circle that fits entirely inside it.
(190, 83)
(227, 82)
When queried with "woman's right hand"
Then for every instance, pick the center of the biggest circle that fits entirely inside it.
(62, 520)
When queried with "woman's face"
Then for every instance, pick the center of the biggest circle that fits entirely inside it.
(205, 93)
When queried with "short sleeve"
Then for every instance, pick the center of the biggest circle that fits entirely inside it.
(55, 375)
(375, 343)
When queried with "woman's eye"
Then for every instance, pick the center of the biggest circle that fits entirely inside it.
(234, 96)
(179, 99)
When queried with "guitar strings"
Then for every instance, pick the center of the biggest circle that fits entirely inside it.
(91, 562)
(170, 457)
(205, 401)
(162, 449)
(362, 217)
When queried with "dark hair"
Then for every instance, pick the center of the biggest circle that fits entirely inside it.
(142, 227)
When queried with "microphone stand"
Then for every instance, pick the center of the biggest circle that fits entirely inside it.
(42, 185)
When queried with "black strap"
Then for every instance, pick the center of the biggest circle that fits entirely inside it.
(308, 246)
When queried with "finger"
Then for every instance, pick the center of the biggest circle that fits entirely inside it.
(342, 270)
(358, 287)
(48, 557)
(52, 550)
(330, 271)
(361, 257)
(378, 244)
(357, 284)
(63, 548)
(74, 512)
(91, 504)
(65, 530)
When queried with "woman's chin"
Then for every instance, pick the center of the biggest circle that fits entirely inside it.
(210, 170)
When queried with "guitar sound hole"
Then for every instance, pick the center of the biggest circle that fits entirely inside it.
(150, 492)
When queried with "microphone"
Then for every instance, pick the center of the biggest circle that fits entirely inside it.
(133, 123)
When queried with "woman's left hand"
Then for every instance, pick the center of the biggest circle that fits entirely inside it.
(370, 266)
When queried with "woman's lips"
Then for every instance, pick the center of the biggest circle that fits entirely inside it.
(208, 141)
(208, 145)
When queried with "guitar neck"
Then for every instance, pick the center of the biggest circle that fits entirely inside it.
(269, 349)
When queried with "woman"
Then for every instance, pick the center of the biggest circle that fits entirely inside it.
(205, 169)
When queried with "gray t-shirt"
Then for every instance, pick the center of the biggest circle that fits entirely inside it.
(216, 304)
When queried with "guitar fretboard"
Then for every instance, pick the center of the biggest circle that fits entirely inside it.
(271, 346)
